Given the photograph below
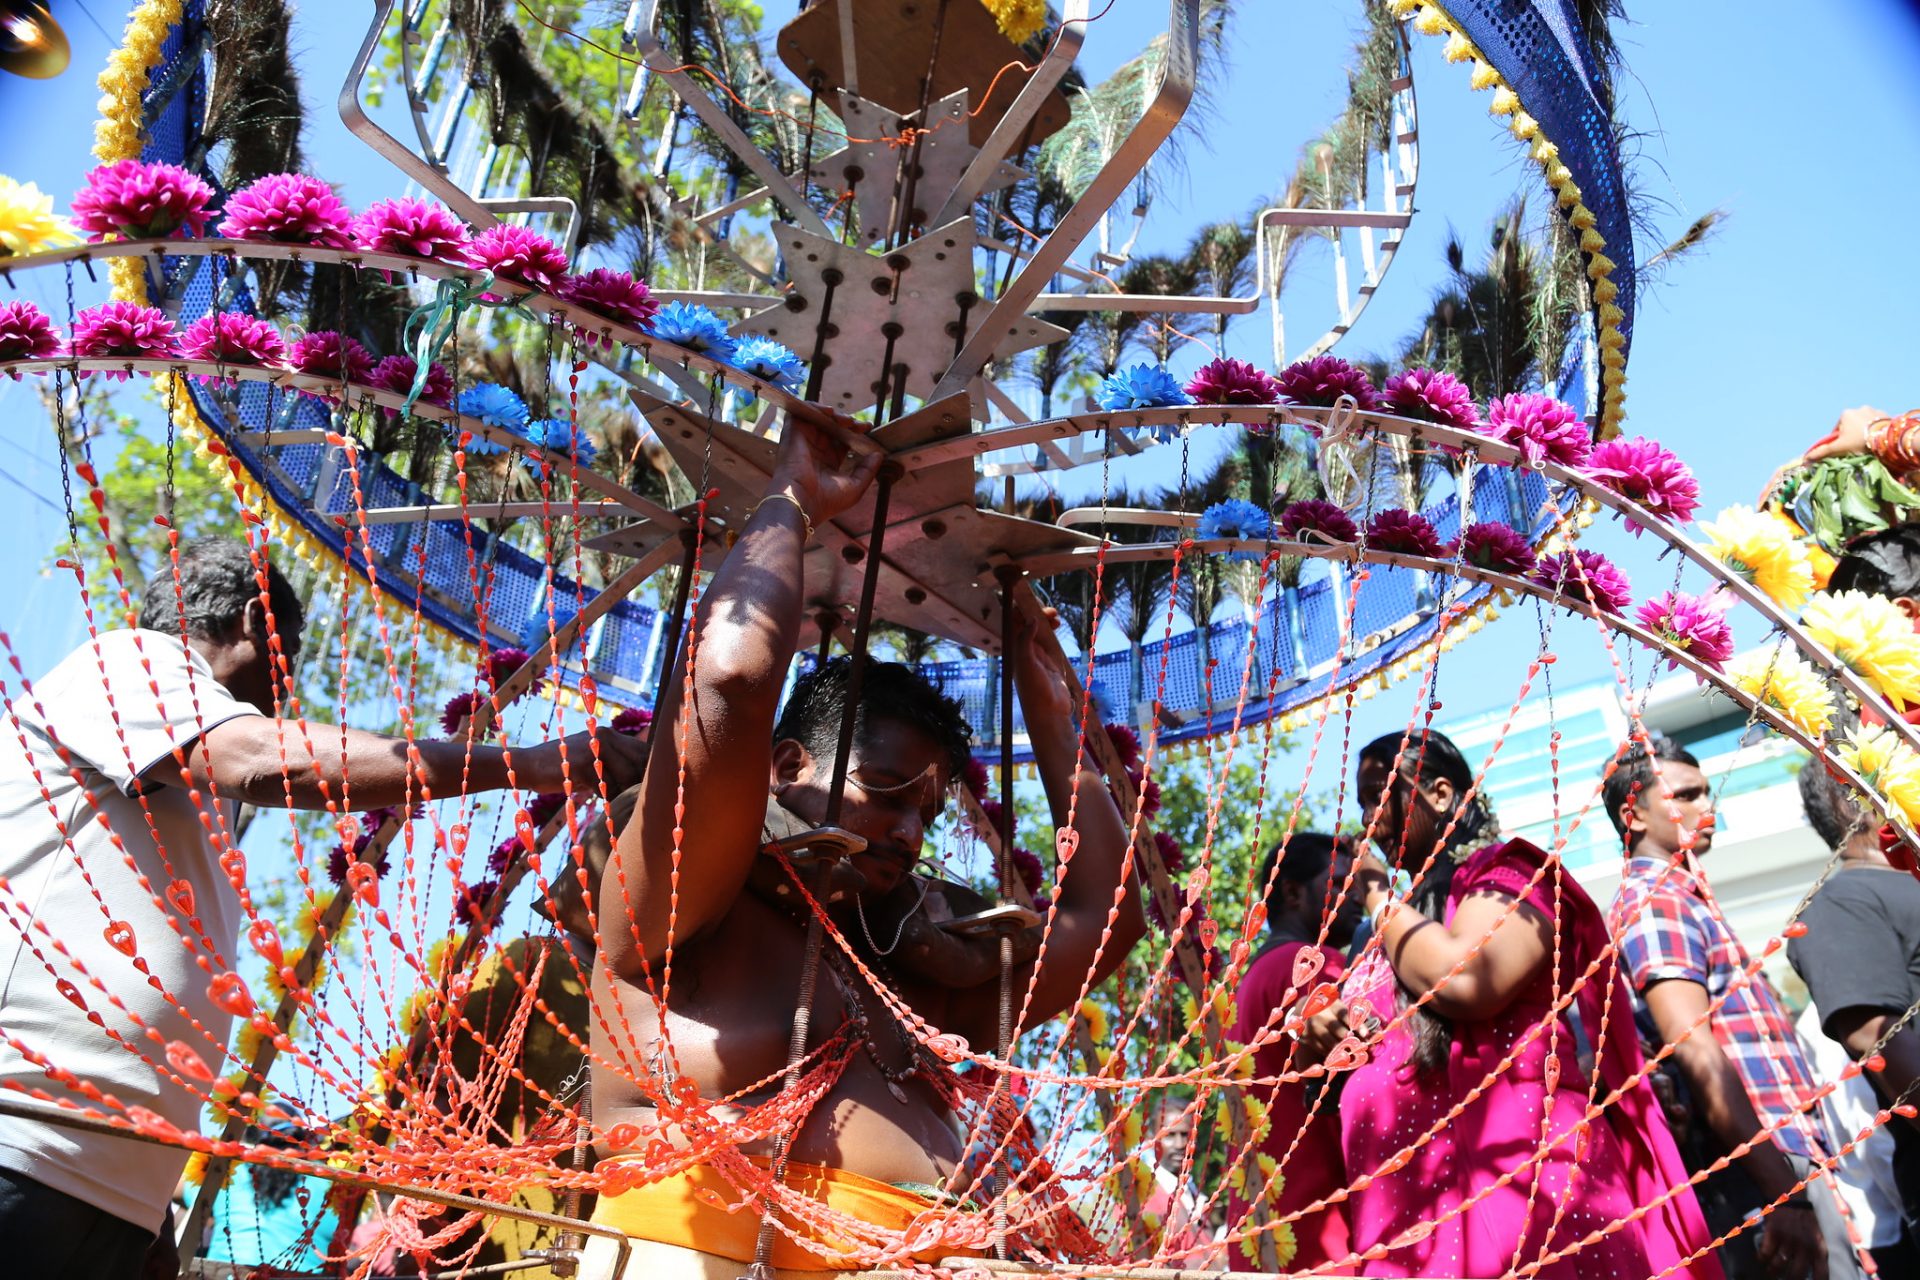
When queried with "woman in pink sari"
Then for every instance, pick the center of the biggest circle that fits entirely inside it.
(1513, 1172)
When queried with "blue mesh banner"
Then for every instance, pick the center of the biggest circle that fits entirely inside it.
(1536, 47)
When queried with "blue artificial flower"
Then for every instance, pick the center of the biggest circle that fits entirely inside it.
(765, 358)
(559, 435)
(695, 328)
(1235, 518)
(1140, 386)
(496, 406)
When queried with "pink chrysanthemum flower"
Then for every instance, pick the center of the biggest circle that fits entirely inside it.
(288, 208)
(140, 200)
(470, 902)
(1541, 428)
(396, 374)
(1229, 381)
(458, 708)
(233, 337)
(974, 778)
(1648, 473)
(1587, 576)
(1318, 516)
(26, 333)
(615, 295)
(1172, 856)
(326, 354)
(634, 722)
(122, 329)
(502, 663)
(502, 855)
(991, 812)
(1430, 396)
(337, 859)
(1695, 625)
(518, 254)
(1407, 532)
(372, 820)
(1494, 547)
(1126, 743)
(1323, 380)
(1027, 865)
(413, 229)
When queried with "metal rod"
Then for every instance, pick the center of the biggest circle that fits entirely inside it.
(862, 625)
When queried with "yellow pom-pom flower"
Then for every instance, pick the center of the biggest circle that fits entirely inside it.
(28, 223)
(1870, 635)
(1019, 19)
(1096, 1019)
(1888, 765)
(1783, 680)
(1761, 548)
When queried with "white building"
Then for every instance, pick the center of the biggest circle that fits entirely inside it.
(1764, 856)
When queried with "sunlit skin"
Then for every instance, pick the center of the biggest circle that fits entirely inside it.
(689, 874)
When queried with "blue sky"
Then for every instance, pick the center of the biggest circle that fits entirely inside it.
(1804, 304)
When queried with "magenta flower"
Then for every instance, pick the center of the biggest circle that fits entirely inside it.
(1318, 516)
(396, 374)
(470, 902)
(1027, 865)
(1587, 576)
(1695, 625)
(122, 329)
(1646, 472)
(975, 778)
(518, 254)
(1323, 380)
(288, 208)
(1431, 396)
(233, 337)
(1126, 743)
(1494, 547)
(1407, 532)
(139, 200)
(26, 333)
(1228, 381)
(615, 295)
(991, 812)
(1541, 428)
(502, 663)
(326, 354)
(338, 856)
(458, 708)
(502, 855)
(412, 229)
(634, 722)
(1172, 856)
(373, 819)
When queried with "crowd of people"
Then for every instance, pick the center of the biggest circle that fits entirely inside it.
(1511, 1077)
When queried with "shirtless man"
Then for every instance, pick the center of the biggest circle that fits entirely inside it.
(738, 928)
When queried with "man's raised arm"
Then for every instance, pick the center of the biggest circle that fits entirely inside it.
(706, 786)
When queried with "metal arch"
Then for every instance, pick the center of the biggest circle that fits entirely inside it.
(1163, 113)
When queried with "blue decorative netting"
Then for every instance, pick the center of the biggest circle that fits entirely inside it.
(1536, 47)
(1304, 649)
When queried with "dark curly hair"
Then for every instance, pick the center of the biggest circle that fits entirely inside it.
(889, 691)
(1633, 773)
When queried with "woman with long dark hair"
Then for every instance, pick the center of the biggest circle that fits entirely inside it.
(1476, 941)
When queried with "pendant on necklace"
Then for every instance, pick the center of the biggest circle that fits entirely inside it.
(899, 1094)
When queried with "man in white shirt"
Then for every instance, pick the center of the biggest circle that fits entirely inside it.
(121, 773)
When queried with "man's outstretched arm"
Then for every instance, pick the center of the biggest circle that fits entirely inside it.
(705, 793)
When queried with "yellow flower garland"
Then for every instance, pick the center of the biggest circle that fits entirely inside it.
(1019, 19)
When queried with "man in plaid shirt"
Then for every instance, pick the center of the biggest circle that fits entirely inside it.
(1750, 1076)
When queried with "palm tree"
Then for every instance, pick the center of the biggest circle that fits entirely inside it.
(1221, 261)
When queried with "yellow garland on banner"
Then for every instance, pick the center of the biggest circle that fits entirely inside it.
(1431, 19)
(119, 133)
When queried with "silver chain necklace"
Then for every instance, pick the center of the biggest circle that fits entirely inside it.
(860, 909)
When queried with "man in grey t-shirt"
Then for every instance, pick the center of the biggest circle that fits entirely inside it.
(121, 772)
